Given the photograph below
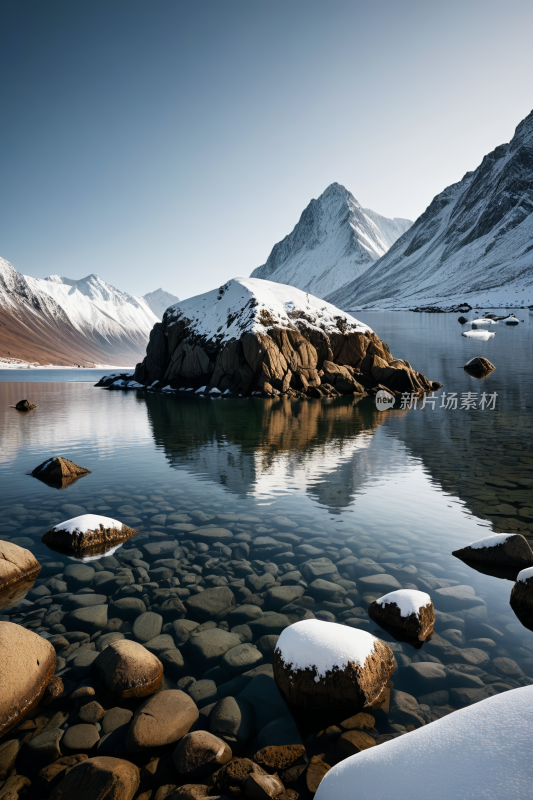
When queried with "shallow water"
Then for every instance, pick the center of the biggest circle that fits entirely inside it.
(403, 488)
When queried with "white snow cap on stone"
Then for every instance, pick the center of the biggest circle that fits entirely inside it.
(482, 752)
(490, 541)
(409, 601)
(525, 574)
(484, 321)
(324, 645)
(87, 522)
(480, 335)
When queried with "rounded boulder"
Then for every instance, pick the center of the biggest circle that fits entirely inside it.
(161, 720)
(127, 669)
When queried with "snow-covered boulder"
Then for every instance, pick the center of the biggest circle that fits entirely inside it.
(253, 335)
(522, 591)
(407, 611)
(322, 666)
(500, 549)
(483, 322)
(511, 320)
(480, 752)
(479, 366)
(87, 533)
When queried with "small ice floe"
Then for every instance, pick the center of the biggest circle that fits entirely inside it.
(87, 533)
(321, 666)
(478, 335)
(500, 549)
(511, 320)
(406, 610)
(460, 761)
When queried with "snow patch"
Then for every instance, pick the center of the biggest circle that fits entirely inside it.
(525, 575)
(87, 522)
(409, 601)
(324, 646)
(490, 541)
(479, 335)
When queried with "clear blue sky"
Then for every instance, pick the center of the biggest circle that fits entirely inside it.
(172, 143)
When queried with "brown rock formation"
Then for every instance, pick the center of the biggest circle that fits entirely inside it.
(513, 552)
(16, 564)
(414, 626)
(59, 471)
(83, 541)
(161, 720)
(25, 405)
(100, 778)
(27, 663)
(479, 367)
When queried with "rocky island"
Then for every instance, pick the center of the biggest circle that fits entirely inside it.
(252, 336)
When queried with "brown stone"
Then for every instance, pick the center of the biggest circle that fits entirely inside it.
(8, 755)
(25, 405)
(353, 687)
(279, 757)
(262, 787)
(94, 540)
(161, 720)
(27, 663)
(514, 552)
(479, 364)
(315, 772)
(359, 722)
(126, 669)
(230, 778)
(414, 626)
(200, 753)
(16, 565)
(100, 778)
(51, 775)
(53, 691)
(191, 791)
(59, 470)
(353, 742)
(353, 349)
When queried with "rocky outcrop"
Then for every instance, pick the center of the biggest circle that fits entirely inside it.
(27, 664)
(499, 550)
(25, 405)
(59, 471)
(89, 533)
(479, 367)
(275, 342)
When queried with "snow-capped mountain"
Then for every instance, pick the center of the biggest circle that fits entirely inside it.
(334, 242)
(62, 321)
(474, 243)
(160, 300)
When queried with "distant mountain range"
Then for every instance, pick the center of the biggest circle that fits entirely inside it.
(335, 241)
(473, 243)
(62, 321)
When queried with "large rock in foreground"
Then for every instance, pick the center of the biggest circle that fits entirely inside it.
(89, 533)
(252, 336)
(127, 669)
(27, 664)
(447, 759)
(407, 611)
(499, 550)
(324, 666)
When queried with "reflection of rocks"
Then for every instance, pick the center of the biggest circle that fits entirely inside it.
(329, 444)
(89, 533)
(27, 663)
(59, 472)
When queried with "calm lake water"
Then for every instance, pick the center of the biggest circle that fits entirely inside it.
(401, 488)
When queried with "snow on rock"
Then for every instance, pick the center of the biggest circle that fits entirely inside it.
(334, 242)
(409, 601)
(324, 646)
(321, 666)
(525, 575)
(490, 541)
(87, 533)
(480, 336)
(481, 752)
(483, 322)
(472, 244)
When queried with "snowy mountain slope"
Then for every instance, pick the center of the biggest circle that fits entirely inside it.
(62, 321)
(159, 301)
(474, 243)
(334, 242)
